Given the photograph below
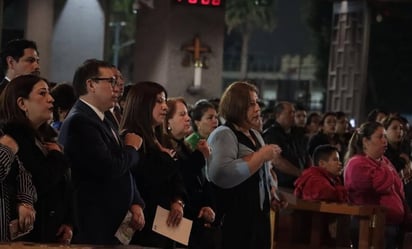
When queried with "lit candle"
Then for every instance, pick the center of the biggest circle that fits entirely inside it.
(198, 77)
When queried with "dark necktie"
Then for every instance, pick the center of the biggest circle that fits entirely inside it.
(117, 113)
(109, 126)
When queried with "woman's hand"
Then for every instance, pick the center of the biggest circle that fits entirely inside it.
(203, 147)
(278, 200)
(270, 152)
(9, 142)
(27, 215)
(176, 213)
(133, 140)
(207, 214)
(65, 232)
(170, 152)
(49, 146)
(138, 220)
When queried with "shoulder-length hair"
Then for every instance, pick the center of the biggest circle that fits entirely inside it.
(20, 86)
(235, 102)
(10, 112)
(138, 112)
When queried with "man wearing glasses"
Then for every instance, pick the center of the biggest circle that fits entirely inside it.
(115, 113)
(19, 57)
(100, 161)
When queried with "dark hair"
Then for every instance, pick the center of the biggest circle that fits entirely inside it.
(340, 115)
(138, 112)
(311, 116)
(323, 152)
(215, 102)
(235, 102)
(89, 69)
(372, 115)
(280, 107)
(125, 92)
(355, 146)
(20, 86)
(325, 115)
(15, 48)
(388, 121)
(64, 99)
(198, 110)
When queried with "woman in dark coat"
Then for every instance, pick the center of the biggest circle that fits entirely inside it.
(25, 109)
(199, 206)
(157, 173)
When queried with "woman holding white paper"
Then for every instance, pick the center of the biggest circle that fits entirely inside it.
(157, 174)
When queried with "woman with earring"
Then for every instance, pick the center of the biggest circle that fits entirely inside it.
(157, 173)
(191, 162)
(25, 109)
(371, 179)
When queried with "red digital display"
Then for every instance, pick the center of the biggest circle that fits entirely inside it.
(211, 3)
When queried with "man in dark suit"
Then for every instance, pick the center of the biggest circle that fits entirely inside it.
(104, 187)
(19, 57)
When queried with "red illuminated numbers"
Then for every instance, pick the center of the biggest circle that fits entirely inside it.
(216, 2)
(202, 2)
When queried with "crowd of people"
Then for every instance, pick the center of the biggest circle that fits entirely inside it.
(77, 159)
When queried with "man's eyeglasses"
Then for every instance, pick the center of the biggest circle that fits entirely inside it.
(111, 80)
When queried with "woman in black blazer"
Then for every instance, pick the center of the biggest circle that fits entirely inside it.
(192, 162)
(25, 109)
(157, 173)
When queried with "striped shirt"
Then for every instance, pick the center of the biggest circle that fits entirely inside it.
(23, 187)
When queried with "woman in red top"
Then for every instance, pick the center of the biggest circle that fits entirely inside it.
(371, 179)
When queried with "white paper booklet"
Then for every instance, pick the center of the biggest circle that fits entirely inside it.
(180, 233)
(125, 231)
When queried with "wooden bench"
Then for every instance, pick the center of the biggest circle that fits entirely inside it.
(302, 224)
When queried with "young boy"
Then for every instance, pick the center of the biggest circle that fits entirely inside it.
(322, 182)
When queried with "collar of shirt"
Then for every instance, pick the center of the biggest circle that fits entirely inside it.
(99, 113)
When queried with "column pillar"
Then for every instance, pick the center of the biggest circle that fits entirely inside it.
(39, 28)
(346, 86)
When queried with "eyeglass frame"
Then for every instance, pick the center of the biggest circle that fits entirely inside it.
(112, 80)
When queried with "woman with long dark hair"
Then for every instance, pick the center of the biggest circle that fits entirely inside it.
(25, 109)
(157, 173)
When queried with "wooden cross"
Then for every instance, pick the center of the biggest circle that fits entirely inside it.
(196, 48)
